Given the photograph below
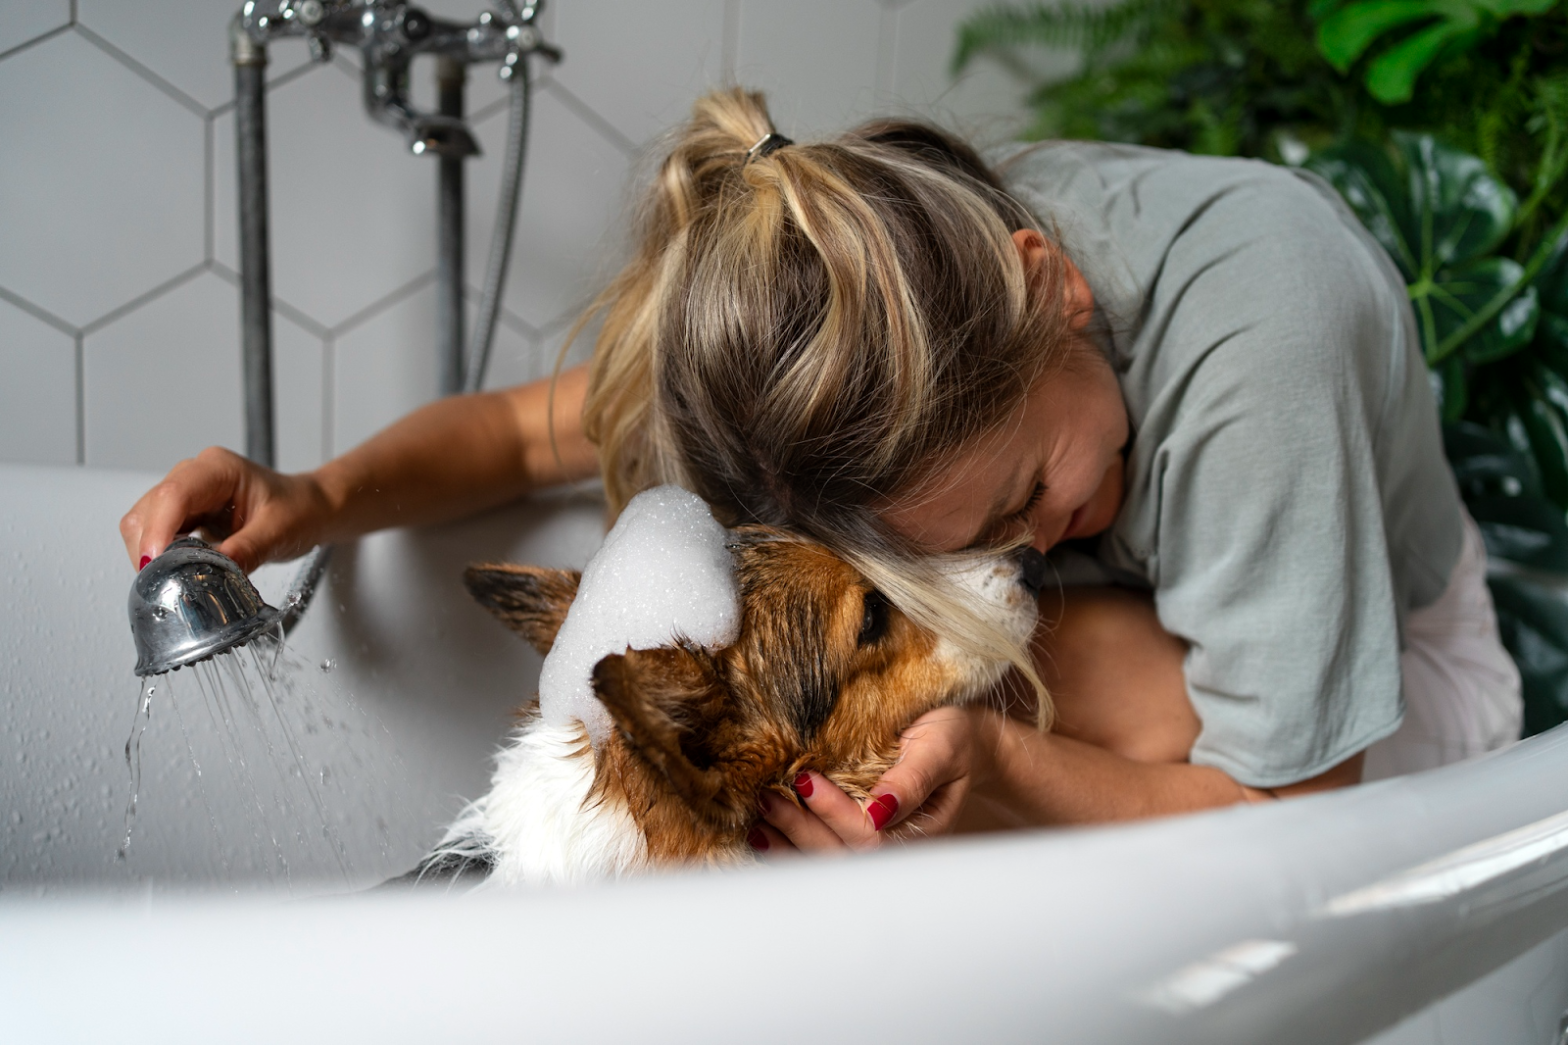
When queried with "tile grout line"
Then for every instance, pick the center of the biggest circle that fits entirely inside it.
(887, 49)
(606, 129)
(37, 313)
(329, 366)
(729, 54)
(81, 401)
(281, 307)
(116, 314)
(209, 185)
(281, 80)
(381, 304)
(141, 70)
(35, 41)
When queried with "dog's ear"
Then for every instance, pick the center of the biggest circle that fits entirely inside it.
(678, 717)
(530, 600)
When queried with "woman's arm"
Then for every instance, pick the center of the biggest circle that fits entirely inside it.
(446, 460)
(1124, 728)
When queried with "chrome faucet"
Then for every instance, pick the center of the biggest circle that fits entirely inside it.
(389, 35)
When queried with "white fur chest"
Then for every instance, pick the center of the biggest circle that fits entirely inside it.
(540, 823)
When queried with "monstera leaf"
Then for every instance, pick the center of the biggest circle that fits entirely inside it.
(1440, 213)
(1527, 545)
(1431, 28)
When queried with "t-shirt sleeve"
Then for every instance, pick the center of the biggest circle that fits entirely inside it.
(1268, 550)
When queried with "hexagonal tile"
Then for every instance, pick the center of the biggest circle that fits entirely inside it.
(639, 65)
(164, 381)
(353, 212)
(815, 58)
(569, 231)
(38, 395)
(298, 393)
(186, 42)
(21, 22)
(101, 193)
(515, 357)
(384, 368)
(986, 100)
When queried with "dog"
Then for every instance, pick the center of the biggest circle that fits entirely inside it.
(823, 674)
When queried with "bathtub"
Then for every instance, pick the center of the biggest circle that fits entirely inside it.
(1432, 908)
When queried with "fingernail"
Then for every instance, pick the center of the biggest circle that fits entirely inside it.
(882, 809)
(145, 560)
(764, 803)
(803, 785)
(757, 840)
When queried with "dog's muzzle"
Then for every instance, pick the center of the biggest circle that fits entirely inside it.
(1035, 568)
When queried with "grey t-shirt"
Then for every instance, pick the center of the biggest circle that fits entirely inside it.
(1287, 497)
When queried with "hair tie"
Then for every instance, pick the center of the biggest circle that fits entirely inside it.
(767, 144)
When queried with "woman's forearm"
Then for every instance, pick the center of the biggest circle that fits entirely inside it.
(1042, 778)
(459, 455)
(1035, 778)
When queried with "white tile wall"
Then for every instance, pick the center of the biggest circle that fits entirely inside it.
(119, 339)
(38, 392)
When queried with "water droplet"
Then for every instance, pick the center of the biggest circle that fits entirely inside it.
(328, 664)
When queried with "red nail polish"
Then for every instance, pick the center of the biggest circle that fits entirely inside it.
(757, 840)
(803, 785)
(145, 560)
(882, 809)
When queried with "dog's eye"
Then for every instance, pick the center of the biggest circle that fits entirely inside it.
(873, 619)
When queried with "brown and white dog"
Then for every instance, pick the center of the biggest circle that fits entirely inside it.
(823, 675)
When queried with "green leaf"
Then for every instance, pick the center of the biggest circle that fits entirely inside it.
(1460, 209)
(1552, 283)
(1373, 188)
(1346, 34)
(1532, 618)
(1459, 293)
(1455, 394)
(1505, 8)
(1391, 77)
(1539, 402)
(1487, 465)
(1525, 530)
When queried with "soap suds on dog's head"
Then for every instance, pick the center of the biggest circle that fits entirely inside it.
(662, 573)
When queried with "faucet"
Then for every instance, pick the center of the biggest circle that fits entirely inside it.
(389, 35)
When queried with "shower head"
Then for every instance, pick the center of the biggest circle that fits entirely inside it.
(190, 603)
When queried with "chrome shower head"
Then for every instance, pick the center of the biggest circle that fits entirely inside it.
(190, 603)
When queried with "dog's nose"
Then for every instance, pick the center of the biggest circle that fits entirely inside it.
(1034, 570)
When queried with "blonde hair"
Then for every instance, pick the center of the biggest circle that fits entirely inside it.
(806, 333)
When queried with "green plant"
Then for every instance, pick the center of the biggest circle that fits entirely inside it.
(1444, 125)
(1214, 76)
(1427, 29)
(1527, 543)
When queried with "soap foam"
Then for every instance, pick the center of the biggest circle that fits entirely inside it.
(662, 573)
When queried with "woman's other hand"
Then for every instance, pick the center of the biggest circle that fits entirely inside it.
(943, 759)
(260, 514)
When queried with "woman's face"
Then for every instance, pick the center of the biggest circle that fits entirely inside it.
(1052, 470)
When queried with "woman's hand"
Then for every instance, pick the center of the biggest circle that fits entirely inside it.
(260, 513)
(943, 759)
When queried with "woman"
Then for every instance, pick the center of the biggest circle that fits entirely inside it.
(878, 341)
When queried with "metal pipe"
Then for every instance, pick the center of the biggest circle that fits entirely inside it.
(451, 73)
(505, 222)
(250, 129)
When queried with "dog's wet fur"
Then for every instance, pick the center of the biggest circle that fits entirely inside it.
(824, 674)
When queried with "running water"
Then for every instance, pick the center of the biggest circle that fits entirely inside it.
(283, 741)
(133, 757)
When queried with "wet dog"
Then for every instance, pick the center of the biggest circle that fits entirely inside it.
(823, 674)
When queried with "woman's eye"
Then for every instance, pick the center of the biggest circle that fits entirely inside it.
(1022, 514)
(873, 618)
